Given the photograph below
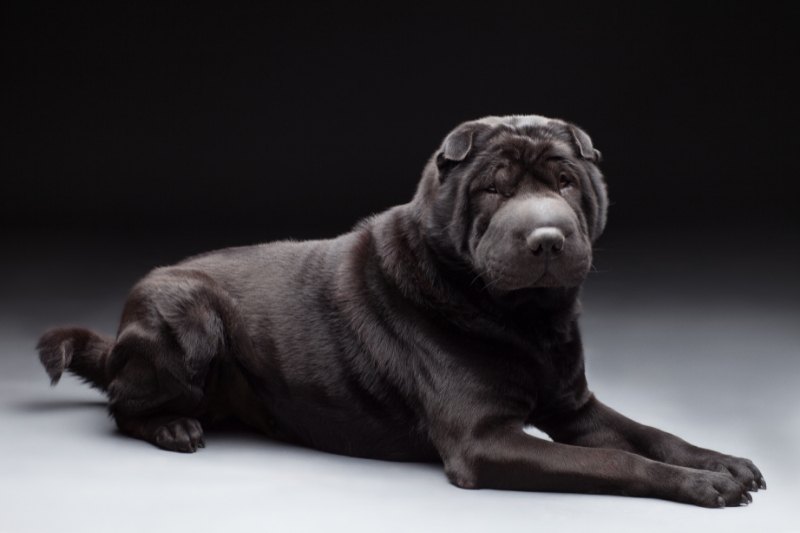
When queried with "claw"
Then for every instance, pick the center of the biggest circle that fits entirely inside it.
(720, 501)
(762, 484)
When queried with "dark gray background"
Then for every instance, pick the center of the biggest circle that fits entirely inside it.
(133, 136)
(299, 119)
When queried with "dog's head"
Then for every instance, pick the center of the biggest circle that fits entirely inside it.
(518, 199)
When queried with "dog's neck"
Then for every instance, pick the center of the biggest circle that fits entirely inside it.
(431, 278)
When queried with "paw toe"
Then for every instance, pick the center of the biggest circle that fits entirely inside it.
(180, 435)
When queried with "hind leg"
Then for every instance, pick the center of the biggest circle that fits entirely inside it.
(164, 361)
(149, 401)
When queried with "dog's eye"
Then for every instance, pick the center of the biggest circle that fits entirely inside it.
(564, 181)
(491, 189)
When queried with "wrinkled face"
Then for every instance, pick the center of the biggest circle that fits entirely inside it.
(517, 199)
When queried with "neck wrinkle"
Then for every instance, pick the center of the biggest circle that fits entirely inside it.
(427, 277)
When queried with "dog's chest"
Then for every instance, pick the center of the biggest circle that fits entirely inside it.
(522, 376)
(537, 375)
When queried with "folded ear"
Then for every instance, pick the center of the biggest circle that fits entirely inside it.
(584, 144)
(457, 145)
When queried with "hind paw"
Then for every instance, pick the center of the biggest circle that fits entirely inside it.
(180, 435)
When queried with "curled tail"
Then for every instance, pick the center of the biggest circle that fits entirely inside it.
(78, 350)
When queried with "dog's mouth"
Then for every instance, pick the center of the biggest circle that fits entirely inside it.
(548, 279)
(499, 276)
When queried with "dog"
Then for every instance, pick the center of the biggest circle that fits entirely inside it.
(434, 331)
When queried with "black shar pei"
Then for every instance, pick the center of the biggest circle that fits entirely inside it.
(434, 331)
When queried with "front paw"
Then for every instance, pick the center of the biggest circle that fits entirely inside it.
(711, 489)
(742, 470)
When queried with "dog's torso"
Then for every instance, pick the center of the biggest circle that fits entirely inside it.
(334, 348)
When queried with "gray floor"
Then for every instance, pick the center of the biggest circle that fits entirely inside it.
(707, 352)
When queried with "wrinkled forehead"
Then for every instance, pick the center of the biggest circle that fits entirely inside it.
(520, 122)
(528, 136)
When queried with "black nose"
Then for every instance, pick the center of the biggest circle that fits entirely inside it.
(546, 241)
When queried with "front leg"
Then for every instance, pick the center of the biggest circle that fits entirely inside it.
(597, 425)
(508, 458)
